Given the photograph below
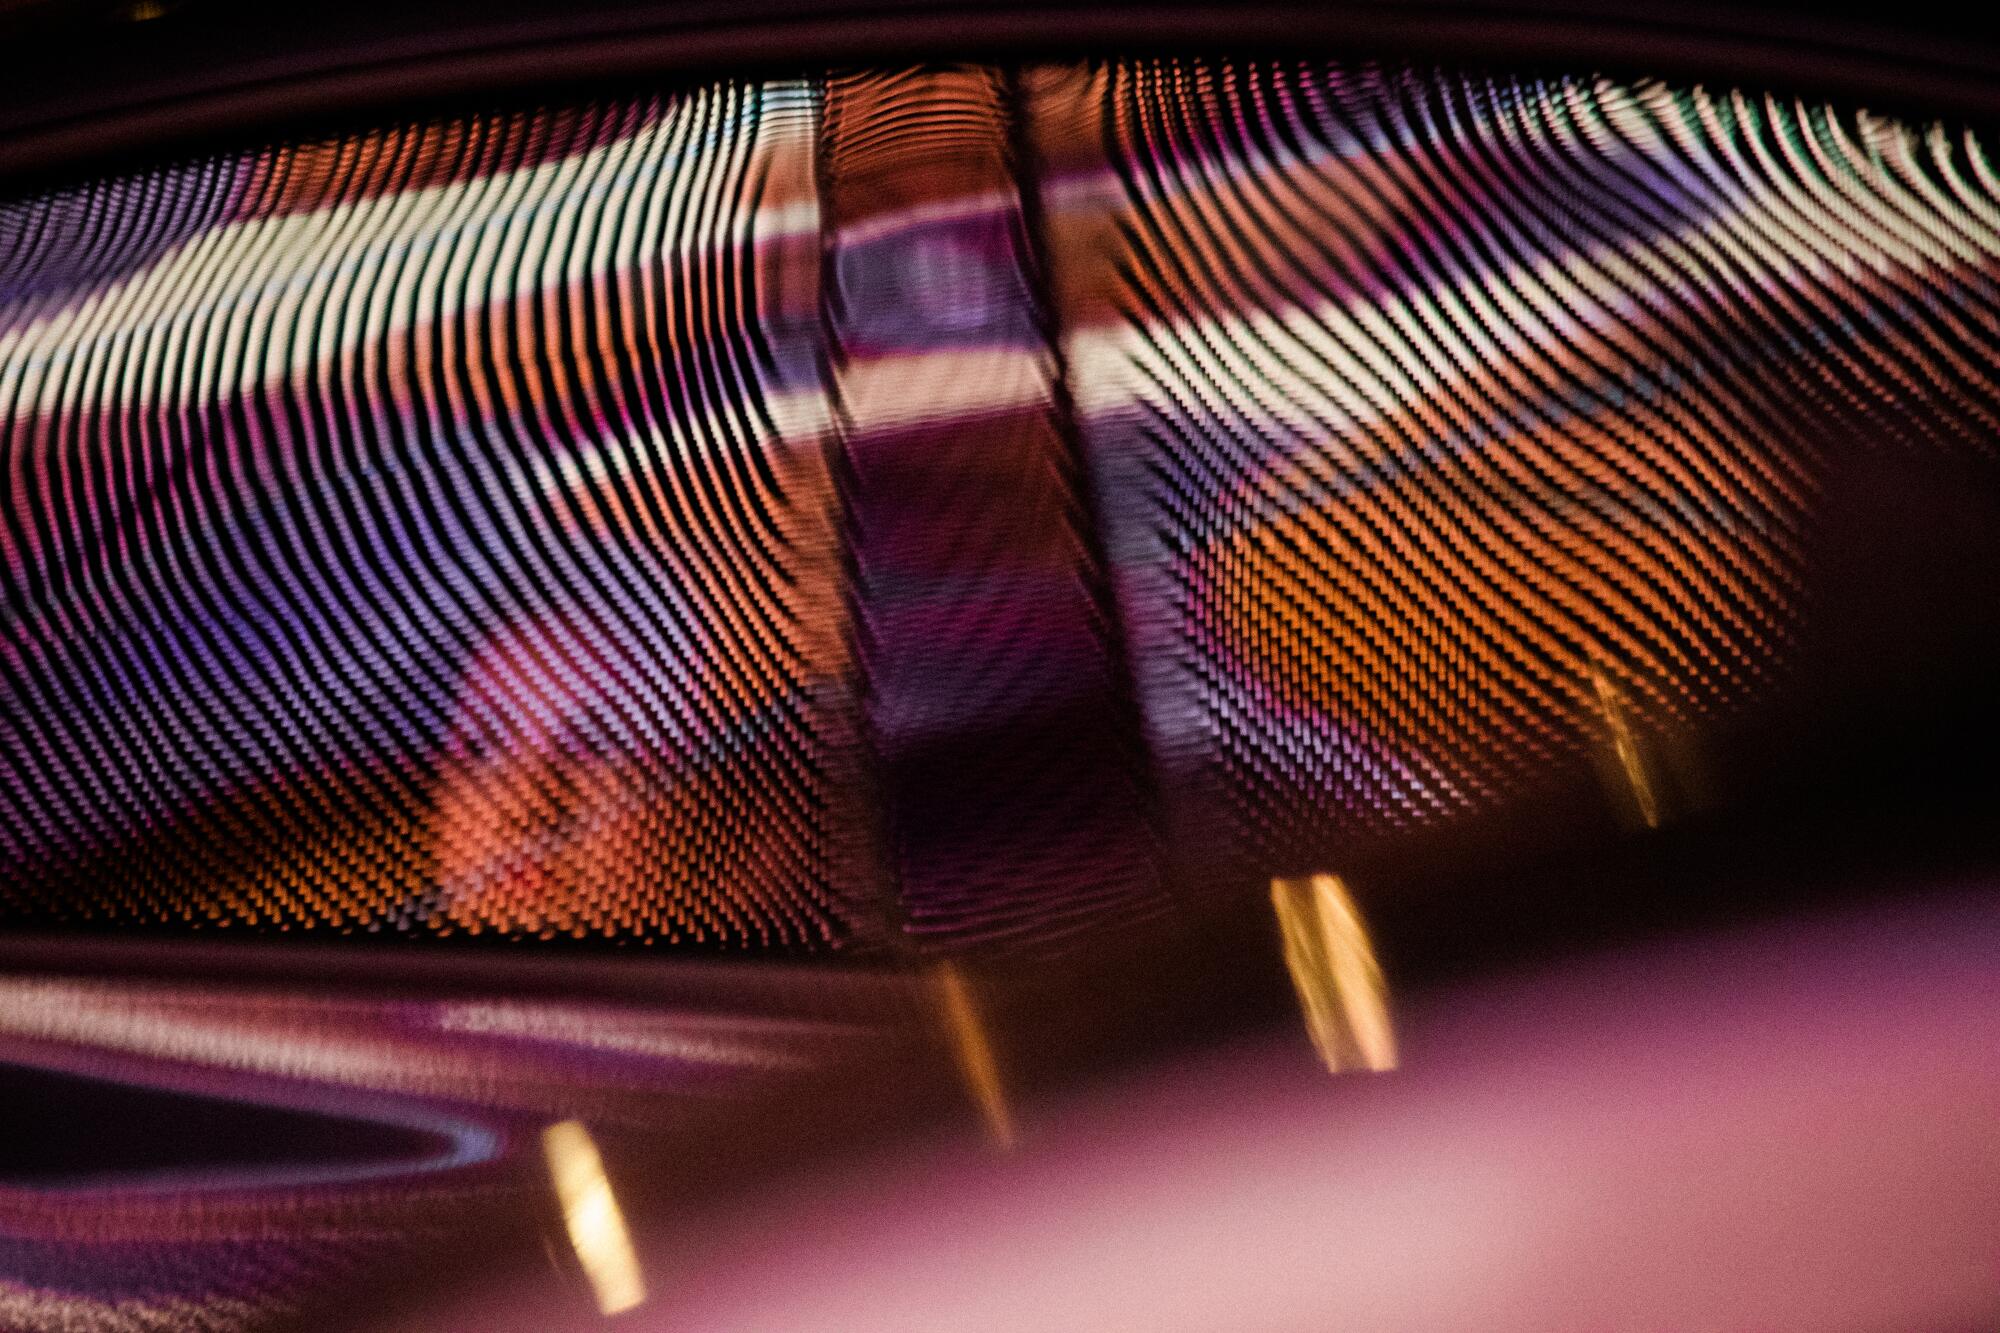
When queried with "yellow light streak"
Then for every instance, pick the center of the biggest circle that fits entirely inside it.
(1340, 986)
(973, 1053)
(1625, 745)
(591, 1215)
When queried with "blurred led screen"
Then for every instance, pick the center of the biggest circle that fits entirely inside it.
(942, 503)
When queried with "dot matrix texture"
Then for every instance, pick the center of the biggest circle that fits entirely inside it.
(510, 524)
(1444, 424)
(429, 530)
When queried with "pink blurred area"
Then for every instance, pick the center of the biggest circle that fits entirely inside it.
(1782, 1127)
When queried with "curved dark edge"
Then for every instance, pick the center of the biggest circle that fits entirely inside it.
(1921, 66)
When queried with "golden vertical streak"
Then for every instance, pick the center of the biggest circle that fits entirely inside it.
(1340, 986)
(973, 1053)
(1626, 746)
(592, 1217)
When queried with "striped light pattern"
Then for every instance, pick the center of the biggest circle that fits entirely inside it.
(1454, 430)
(1181, 470)
(430, 531)
(506, 525)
